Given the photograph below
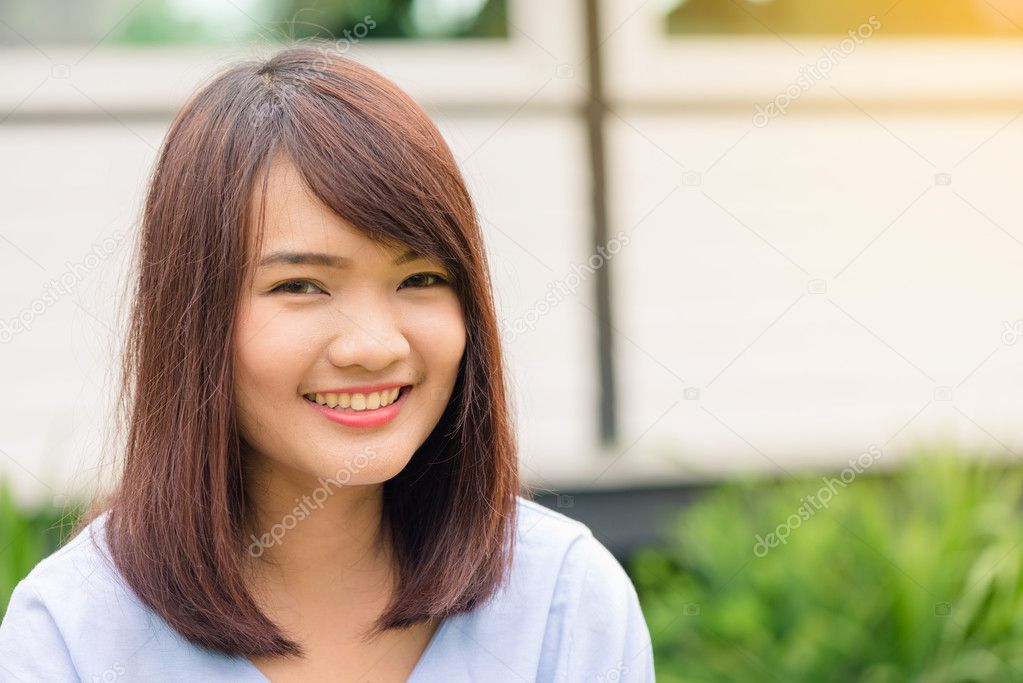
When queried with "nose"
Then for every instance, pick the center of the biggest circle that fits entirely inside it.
(368, 336)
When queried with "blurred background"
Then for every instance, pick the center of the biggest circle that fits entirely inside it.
(743, 250)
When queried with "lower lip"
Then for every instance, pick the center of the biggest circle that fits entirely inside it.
(365, 418)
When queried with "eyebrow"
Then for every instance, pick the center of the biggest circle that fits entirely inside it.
(318, 259)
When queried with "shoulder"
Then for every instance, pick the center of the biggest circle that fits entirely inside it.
(77, 574)
(554, 552)
(568, 611)
(564, 550)
(87, 548)
(595, 627)
(538, 525)
(74, 615)
(49, 606)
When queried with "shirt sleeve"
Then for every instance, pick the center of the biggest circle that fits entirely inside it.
(31, 646)
(607, 637)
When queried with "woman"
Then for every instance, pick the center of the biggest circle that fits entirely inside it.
(319, 478)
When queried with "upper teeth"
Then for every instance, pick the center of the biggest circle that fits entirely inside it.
(358, 401)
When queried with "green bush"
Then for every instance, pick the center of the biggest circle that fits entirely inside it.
(26, 536)
(912, 577)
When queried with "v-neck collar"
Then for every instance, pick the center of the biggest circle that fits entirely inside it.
(418, 670)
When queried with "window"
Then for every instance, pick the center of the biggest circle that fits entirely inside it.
(897, 17)
(167, 22)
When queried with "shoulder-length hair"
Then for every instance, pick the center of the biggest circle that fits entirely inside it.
(179, 510)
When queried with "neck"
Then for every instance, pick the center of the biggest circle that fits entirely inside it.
(308, 531)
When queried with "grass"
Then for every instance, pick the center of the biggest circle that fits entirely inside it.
(915, 577)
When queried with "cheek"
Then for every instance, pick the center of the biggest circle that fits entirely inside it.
(268, 357)
(440, 338)
(247, 372)
(249, 350)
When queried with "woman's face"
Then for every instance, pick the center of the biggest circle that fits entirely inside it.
(337, 325)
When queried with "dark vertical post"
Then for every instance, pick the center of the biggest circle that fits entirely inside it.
(595, 115)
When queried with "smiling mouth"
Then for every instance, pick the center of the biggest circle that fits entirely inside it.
(359, 403)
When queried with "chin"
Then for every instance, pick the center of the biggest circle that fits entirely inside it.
(362, 469)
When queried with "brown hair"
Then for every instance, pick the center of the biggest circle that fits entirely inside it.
(178, 513)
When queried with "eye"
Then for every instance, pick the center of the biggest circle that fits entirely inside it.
(424, 280)
(288, 287)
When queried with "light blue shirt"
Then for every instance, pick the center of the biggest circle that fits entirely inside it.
(569, 613)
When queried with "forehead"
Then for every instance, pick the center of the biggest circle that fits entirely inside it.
(295, 219)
